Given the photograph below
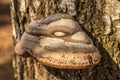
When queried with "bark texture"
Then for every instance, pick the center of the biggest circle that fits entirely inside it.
(89, 13)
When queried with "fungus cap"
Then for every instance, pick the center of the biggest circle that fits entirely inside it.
(58, 41)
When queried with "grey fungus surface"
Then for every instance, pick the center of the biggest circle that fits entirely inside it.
(58, 41)
(55, 17)
(27, 44)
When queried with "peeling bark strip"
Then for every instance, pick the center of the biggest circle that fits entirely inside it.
(112, 16)
(89, 13)
(68, 6)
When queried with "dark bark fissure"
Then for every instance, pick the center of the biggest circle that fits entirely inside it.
(89, 14)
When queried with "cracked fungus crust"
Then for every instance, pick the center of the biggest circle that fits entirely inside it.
(59, 43)
(68, 60)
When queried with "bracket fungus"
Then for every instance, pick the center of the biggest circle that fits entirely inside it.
(58, 41)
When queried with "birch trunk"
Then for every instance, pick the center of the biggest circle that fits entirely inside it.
(89, 13)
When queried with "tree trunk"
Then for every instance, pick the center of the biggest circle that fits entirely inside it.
(89, 13)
